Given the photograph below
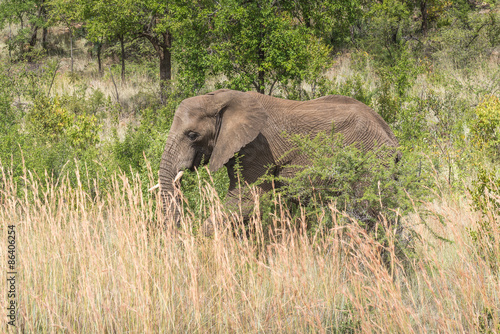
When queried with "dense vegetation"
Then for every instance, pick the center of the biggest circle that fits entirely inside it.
(88, 89)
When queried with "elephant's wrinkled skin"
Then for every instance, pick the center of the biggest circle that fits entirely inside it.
(215, 126)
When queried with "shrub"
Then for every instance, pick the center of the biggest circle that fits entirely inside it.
(48, 119)
(485, 125)
(365, 185)
(485, 195)
(355, 88)
(466, 36)
(83, 134)
(52, 122)
(55, 140)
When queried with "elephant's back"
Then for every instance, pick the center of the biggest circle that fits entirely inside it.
(364, 117)
(356, 121)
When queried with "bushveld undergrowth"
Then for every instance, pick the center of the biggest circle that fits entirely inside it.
(95, 253)
(105, 262)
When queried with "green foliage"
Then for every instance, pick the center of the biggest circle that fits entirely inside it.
(329, 20)
(354, 87)
(7, 114)
(129, 152)
(388, 104)
(390, 22)
(259, 45)
(31, 16)
(48, 119)
(193, 34)
(468, 35)
(55, 137)
(402, 71)
(486, 323)
(485, 125)
(84, 132)
(51, 137)
(32, 81)
(193, 190)
(67, 12)
(364, 185)
(9, 121)
(107, 19)
(485, 192)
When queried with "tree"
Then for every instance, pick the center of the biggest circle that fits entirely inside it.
(157, 21)
(31, 16)
(330, 20)
(258, 45)
(430, 10)
(69, 13)
(191, 43)
(110, 20)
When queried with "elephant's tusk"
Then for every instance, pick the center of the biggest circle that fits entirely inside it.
(154, 187)
(178, 176)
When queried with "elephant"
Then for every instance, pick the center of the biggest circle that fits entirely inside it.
(217, 126)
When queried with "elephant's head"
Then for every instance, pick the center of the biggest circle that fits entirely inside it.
(209, 128)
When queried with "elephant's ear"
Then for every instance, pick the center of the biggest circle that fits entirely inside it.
(240, 118)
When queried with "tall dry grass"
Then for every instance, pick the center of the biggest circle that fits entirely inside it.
(101, 263)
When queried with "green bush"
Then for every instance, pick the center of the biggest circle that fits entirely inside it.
(485, 125)
(466, 36)
(55, 142)
(48, 119)
(354, 87)
(51, 122)
(485, 192)
(364, 185)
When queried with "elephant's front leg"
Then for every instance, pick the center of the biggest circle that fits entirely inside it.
(241, 200)
(239, 206)
(241, 196)
(244, 190)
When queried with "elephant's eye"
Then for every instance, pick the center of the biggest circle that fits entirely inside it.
(192, 135)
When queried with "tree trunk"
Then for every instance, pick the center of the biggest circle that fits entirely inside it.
(165, 64)
(122, 44)
(260, 82)
(162, 44)
(10, 40)
(307, 19)
(44, 29)
(71, 47)
(34, 32)
(425, 16)
(45, 32)
(32, 42)
(99, 62)
(261, 74)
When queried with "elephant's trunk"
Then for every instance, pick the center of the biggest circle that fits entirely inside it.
(169, 175)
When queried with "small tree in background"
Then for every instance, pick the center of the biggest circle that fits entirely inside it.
(330, 20)
(69, 13)
(259, 45)
(109, 20)
(31, 16)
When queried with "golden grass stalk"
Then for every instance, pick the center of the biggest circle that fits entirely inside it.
(103, 262)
